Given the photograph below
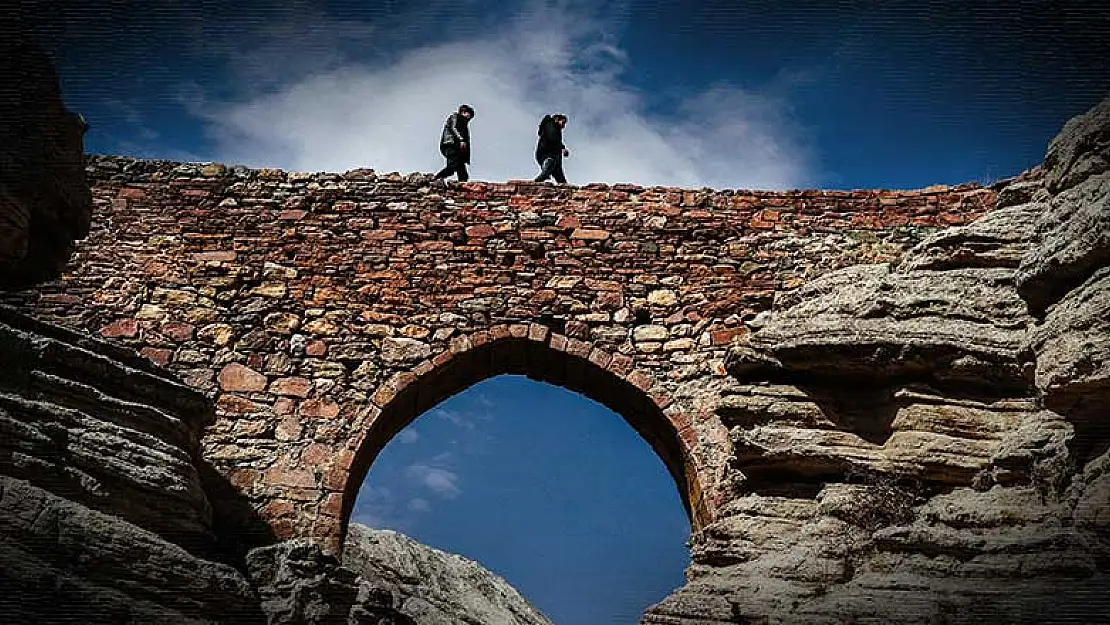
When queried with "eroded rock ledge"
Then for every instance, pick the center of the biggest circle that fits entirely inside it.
(925, 440)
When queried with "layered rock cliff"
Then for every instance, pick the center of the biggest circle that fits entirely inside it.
(103, 516)
(925, 441)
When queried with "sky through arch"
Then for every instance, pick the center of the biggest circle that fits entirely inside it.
(543, 486)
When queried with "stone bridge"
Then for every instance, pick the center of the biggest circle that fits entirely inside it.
(325, 312)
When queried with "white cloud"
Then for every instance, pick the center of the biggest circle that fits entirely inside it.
(419, 504)
(440, 481)
(376, 507)
(455, 417)
(408, 435)
(388, 115)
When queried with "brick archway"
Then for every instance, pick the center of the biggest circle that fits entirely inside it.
(530, 350)
(305, 303)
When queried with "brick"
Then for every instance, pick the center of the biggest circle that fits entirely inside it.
(277, 509)
(689, 436)
(284, 406)
(460, 344)
(537, 332)
(680, 420)
(441, 359)
(236, 404)
(620, 365)
(662, 400)
(298, 478)
(292, 387)
(236, 377)
(121, 328)
(343, 459)
(590, 234)
(423, 368)
(178, 331)
(217, 255)
(319, 409)
(640, 380)
(578, 348)
(335, 479)
(569, 222)
(332, 505)
(243, 479)
(316, 454)
(284, 529)
(157, 355)
(600, 357)
(558, 342)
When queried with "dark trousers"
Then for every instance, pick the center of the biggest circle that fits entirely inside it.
(456, 163)
(551, 165)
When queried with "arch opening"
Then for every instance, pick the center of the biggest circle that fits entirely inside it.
(540, 362)
(545, 488)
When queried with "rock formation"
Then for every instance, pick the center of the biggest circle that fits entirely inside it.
(433, 587)
(103, 517)
(45, 202)
(925, 441)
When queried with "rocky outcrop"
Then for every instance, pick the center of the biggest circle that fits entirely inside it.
(103, 514)
(63, 562)
(925, 441)
(45, 201)
(104, 429)
(1065, 277)
(298, 584)
(433, 587)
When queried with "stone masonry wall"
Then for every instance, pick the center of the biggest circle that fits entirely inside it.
(326, 311)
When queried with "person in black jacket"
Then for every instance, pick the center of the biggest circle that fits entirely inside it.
(550, 149)
(454, 143)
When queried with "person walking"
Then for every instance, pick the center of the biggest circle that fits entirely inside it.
(454, 143)
(550, 149)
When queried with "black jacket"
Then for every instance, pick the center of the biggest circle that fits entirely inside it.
(551, 138)
(456, 130)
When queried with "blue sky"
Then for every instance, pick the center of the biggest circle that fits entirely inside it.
(727, 94)
(550, 490)
(768, 94)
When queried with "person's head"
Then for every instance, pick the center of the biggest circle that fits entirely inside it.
(466, 110)
(560, 119)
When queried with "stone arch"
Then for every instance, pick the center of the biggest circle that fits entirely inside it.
(531, 350)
